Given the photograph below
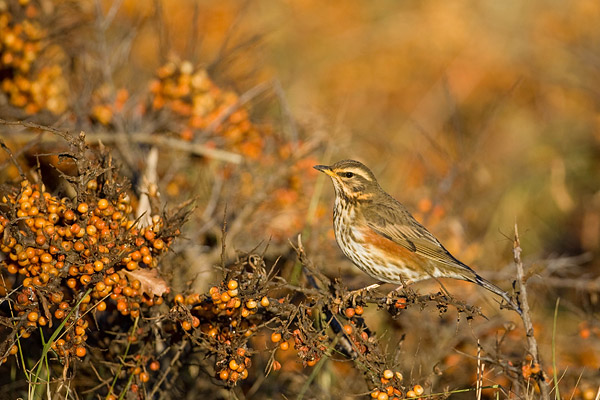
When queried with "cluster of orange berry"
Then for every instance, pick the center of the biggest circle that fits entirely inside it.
(390, 382)
(586, 330)
(226, 317)
(283, 344)
(360, 340)
(223, 303)
(106, 105)
(235, 368)
(311, 348)
(140, 370)
(586, 392)
(191, 94)
(21, 40)
(529, 368)
(58, 252)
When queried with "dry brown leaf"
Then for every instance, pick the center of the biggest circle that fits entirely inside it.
(151, 283)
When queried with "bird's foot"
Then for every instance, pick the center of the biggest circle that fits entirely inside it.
(389, 298)
(359, 292)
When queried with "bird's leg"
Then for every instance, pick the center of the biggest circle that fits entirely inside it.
(390, 295)
(359, 292)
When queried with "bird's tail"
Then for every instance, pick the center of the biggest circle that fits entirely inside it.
(495, 289)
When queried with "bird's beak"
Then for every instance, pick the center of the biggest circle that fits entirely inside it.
(324, 168)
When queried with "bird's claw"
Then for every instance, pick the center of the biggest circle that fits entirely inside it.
(389, 298)
(358, 292)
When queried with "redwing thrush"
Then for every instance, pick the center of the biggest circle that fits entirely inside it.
(383, 239)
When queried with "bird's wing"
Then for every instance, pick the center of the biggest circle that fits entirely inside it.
(395, 223)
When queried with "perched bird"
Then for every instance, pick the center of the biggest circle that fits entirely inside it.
(383, 239)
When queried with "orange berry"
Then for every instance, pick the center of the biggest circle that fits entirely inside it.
(388, 374)
(411, 393)
(195, 322)
(265, 301)
(127, 291)
(33, 316)
(144, 377)
(82, 208)
(78, 246)
(80, 351)
(232, 285)
(149, 235)
(85, 279)
(251, 304)
(359, 310)
(101, 306)
(224, 374)
(102, 204)
(350, 312)
(284, 346)
(374, 394)
(382, 396)
(418, 389)
(312, 362)
(400, 303)
(131, 265)
(98, 265)
(179, 298)
(186, 325)
(154, 365)
(347, 329)
(275, 337)
(121, 305)
(158, 244)
(233, 365)
(92, 184)
(136, 255)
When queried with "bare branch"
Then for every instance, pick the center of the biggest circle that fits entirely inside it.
(526, 317)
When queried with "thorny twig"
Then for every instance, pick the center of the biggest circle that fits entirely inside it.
(154, 139)
(526, 317)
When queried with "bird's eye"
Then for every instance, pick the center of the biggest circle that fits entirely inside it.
(347, 174)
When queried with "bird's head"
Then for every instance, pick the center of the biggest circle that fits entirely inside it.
(351, 179)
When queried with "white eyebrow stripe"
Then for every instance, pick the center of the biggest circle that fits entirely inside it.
(355, 171)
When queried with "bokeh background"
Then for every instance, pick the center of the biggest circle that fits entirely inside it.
(476, 116)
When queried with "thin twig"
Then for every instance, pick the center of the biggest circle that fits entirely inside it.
(243, 99)
(156, 139)
(526, 317)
